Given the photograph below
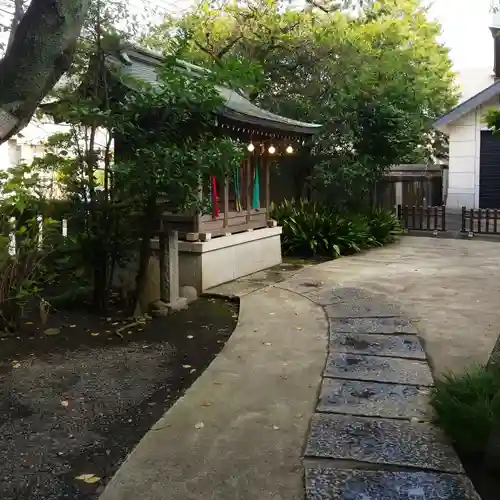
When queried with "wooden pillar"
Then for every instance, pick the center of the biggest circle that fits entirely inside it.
(249, 188)
(226, 202)
(267, 184)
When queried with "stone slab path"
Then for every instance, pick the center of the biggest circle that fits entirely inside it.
(370, 437)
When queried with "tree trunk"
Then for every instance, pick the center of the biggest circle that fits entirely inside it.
(16, 19)
(41, 50)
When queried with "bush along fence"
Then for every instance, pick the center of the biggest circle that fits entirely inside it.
(9, 228)
(422, 218)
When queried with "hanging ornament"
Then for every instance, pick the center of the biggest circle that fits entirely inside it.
(289, 150)
(271, 150)
(256, 189)
(251, 147)
(215, 197)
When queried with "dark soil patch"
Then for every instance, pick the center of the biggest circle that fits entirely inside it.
(487, 483)
(76, 403)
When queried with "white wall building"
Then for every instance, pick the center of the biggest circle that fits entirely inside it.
(474, 153)
(28, 144)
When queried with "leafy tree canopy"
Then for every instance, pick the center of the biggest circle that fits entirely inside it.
(375, 77)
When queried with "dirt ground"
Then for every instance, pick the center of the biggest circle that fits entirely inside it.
(76, 402)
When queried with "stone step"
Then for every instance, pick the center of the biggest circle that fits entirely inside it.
(397, 346)
(329, 484)
(378, 369)
(373, 399)
(372, 325)
(381, 441)
(361, 309)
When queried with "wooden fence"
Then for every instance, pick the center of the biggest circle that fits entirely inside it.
(480, 220)
(419, 218)
(8, 227)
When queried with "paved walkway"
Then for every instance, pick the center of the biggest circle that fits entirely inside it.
(239, 431)
(450, 287)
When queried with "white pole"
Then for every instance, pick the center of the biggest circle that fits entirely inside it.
(12, 236)
(65, 228)
(39, 219)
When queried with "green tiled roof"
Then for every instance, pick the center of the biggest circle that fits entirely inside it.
(141, 64)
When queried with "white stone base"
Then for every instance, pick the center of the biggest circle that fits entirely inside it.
(207, 264)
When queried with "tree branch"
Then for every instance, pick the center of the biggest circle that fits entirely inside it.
(229, 46)
(40, 52)
(16, 19)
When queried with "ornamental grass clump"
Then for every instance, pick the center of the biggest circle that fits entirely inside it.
(316, 229)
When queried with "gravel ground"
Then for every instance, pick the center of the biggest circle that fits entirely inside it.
(81, 410)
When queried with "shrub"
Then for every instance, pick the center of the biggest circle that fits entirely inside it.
(22, 270)
(464, 407)
(311, 229)
(384, 226)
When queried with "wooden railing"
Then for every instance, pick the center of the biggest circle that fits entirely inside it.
(419, 218)
(480, 220)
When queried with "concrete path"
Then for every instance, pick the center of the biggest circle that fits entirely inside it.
(238, 433)
(451, 287)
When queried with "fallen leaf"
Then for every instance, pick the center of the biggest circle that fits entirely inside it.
(72, 326)
(51, 331)
(95, 334)
(88, 478)
(276, 428)
(192, 370)
(115, 323)
(190, 337)
(65, 404)
(267, 343)
(186, 366)
(299, 328)
(16, 365)
(206, 403)
(28, 323)
(199, 425)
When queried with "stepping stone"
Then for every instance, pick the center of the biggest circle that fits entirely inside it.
(327, 484)
(372, 399)
(362, 308)
(380, 441)
(378, 369)
(372, 325)
(337, 295)
(397, 346)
